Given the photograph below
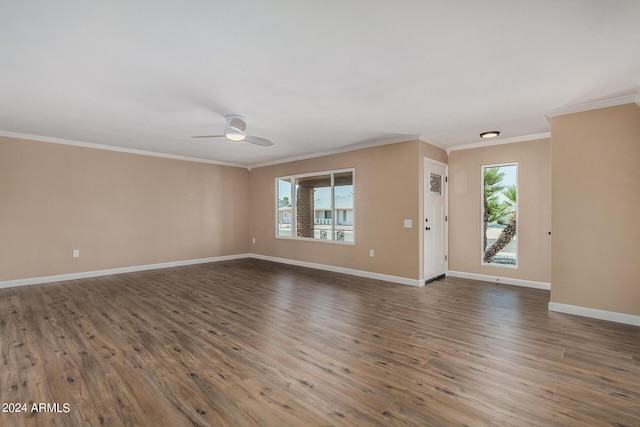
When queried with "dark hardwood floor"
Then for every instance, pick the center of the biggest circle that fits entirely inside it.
(250, 342)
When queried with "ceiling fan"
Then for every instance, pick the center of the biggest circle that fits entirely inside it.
(235, 132)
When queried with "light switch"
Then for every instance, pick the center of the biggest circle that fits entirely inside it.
(408, 223)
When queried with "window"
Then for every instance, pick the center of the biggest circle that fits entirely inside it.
(435, 184)
(316, 206)
(500, 215)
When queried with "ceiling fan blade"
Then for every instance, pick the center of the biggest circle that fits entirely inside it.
(258, 141)
(209, 136)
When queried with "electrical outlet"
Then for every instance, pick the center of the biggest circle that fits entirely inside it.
(253, 240)
(76, 253)
(371, 253)
(408, 223)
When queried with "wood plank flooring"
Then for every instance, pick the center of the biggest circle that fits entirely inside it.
(254, 343)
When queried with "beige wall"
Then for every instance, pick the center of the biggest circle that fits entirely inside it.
(428, 151)
(595, 162)
(118, 209)
(388, 183)
(534, 211)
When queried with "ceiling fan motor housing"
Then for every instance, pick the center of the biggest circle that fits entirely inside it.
(235, 130)
(236, 122)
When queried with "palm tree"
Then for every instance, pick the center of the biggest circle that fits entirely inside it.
(492, 206)
(285, 201)
(509, 231)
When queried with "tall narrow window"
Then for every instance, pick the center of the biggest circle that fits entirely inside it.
(500, 215)
(316, 206)
(343, 202)
(284, 212)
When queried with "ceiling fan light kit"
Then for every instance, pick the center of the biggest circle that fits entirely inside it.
(234, 135)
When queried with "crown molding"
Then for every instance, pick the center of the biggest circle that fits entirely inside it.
(361, 146)
(604, 103)
(435, 143)
(481, 144)
(346, 149)
(82, 144)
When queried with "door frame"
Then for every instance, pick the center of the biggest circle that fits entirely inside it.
(445, 229)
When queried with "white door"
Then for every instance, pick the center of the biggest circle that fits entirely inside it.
(433, 226)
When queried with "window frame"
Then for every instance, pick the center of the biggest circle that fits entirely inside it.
(292, 198)
(517, 242)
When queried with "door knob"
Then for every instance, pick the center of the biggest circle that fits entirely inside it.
(427, 228)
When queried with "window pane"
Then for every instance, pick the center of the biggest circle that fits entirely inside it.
(284, 208)
(500, 242)
(313, 207)
(343, 204)
(435, 184)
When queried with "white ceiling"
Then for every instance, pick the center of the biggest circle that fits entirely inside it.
(311, 76)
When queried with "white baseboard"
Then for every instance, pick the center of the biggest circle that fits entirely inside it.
(96, 273)
(350, 271)
(595, 313)
(503, 280)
